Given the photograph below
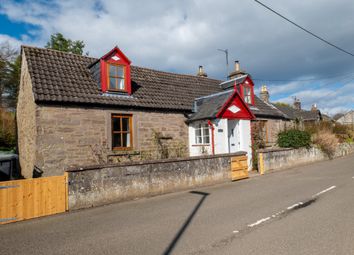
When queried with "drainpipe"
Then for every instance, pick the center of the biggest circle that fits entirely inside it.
(212, 137)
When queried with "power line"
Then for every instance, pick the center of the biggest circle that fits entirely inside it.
(304, 29)
(304, 80)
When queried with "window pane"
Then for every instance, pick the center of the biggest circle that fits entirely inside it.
(116, 124)
(121, 84)
(206, 131)
(198, 140)
(206, 139)
(112, 83)
(120, 70)
(125, 124)
(116, 140)
(126, 139)
(198, 132)
(112, 70)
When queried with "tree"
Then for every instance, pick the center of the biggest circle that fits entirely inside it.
(59, 42)
(10, 64)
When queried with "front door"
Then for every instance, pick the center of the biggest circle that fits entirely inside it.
(233, 135)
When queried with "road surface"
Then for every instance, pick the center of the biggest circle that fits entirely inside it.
(304, 210)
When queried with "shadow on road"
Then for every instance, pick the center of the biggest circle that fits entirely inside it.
(186, 223)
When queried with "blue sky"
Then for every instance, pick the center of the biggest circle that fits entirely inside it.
(180, 35)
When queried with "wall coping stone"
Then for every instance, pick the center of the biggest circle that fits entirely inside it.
(151, 162)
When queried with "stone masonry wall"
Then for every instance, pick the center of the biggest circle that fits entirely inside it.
(26, 124)
(78, 136)
(98, 185)
(276, 159)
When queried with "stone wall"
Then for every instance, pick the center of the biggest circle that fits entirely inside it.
(26, 122)
(269, 129)
(276, 159)
(98, 185)
(69, 136)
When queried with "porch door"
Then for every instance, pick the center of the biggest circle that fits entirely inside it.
(233, 135)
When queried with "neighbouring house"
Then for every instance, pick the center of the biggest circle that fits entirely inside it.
(294, 113)
(347, 118)
(76, 111)
(298, 115)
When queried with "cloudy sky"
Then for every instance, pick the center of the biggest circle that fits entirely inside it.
(179, 36)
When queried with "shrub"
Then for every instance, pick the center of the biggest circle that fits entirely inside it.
(327, 141)
(7, 130)
(294, 139)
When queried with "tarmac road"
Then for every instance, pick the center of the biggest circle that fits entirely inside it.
(304, 210)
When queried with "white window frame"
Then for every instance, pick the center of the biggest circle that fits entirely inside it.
(204, 134)
(247, 94)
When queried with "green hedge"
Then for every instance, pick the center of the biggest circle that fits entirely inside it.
(294, 139)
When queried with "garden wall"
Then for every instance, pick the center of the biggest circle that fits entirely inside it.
(276, 159)
(98, 185)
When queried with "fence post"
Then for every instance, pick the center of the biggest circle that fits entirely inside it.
(260, 163)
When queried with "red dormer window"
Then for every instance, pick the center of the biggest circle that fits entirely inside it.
(115, 72)
(247, 91)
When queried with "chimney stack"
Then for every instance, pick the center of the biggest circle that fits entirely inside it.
(314, 108)
(297, 104)
(237, 66)
(201, 72)
(264, 94)
(237, 72)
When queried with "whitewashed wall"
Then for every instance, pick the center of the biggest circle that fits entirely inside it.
(246, 141)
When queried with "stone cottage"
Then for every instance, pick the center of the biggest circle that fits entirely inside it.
(75, 110)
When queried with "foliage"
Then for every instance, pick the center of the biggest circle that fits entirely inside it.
(349, 140)
(10, 64)
(7, 130)
(282, 104)
(327, 141)
(294, 138)
(59, 42)
(257, 142)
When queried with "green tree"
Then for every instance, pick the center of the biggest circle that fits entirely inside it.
(13, 79)
(10, 64)
(59, 42)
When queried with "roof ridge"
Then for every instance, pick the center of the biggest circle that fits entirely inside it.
(181, 74)
(141, 67)
(59, 51)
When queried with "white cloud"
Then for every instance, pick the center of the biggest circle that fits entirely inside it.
(181, 35)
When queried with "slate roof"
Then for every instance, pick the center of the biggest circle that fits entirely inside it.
(64, 78)
(209, 106)
(293, 113)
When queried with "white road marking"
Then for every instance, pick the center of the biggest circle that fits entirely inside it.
(259, 222)
(294, 205)
(353, 177)
(324, 191)
(283, 211)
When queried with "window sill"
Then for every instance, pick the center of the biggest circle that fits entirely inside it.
(200, 145)
(124, 153)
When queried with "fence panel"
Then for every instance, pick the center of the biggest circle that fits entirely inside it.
(31, 198)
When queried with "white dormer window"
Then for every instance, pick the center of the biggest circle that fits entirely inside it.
(247, 94)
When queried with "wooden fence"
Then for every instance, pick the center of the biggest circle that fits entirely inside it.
(31, 198)
(239, 168)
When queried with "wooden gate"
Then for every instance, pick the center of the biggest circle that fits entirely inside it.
(31, 198)
(239, 168)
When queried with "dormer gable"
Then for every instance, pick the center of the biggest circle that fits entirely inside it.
(115, 72)
(244, 86)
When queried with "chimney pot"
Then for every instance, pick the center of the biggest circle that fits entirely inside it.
(201, 72)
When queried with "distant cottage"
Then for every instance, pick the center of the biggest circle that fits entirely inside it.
(75, 110)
